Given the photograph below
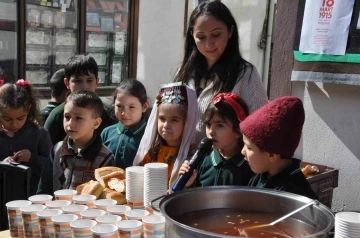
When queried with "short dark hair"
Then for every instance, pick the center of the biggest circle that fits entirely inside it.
(57, 85)
(88, 100)
(81, 65)
(132, 87)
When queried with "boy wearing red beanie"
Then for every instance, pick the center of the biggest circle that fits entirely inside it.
(271, 135)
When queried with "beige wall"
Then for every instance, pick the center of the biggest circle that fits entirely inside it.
(331, 135)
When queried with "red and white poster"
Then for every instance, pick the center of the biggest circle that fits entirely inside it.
(325, 27)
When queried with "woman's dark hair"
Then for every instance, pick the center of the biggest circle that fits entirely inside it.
(226, 71)
(132, 87)
(81, 65)
(88, 100)
(16, 96)
(226, 112)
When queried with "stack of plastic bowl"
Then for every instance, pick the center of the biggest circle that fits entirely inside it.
(135, 186)
(347, 224)
(155, 183)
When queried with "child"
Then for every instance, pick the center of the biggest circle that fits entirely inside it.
(22, 140)
(73, 160)
(123, 139)
(224, 165)
(81, 73)
(271, 135)
(59, 92)
(170, 130)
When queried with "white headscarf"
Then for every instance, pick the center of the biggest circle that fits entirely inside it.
(188, 136)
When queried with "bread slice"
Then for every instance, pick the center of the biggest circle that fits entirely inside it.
(112, 194)
(119, 185)
(80, 187)
(103, 175)
(92, 188)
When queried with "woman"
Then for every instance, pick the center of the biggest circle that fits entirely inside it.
(212, 61)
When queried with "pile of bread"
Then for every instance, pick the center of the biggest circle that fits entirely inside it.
(310, 170)
(110, 183)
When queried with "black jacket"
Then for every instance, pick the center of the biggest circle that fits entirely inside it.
(291, 179)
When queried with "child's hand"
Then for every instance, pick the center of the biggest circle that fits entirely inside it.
(185, 168)
(9, 159)
(22, 156)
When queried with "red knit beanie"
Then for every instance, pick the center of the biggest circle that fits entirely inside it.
(276, 127)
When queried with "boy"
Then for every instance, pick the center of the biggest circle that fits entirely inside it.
(81, 73)
(73, 160)
(271, 135)
(59, 92)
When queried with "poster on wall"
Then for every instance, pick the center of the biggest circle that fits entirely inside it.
(321, 66)
(325, 27)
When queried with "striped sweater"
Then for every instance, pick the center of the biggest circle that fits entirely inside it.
(66, 169)
(249, 88)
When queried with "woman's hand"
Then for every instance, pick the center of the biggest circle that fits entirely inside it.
(22, 156)
(185, 168)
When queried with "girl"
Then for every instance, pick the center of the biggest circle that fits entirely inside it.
(170, 130)
(212, 61)
(225, 165)
(123, 139)
(22, 140)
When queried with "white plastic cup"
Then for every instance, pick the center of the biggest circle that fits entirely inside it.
(40, 199)
(15, 218)
(62, 225)
(118, 210)
(31, 219)
(87, 200)
(57, 204)
(82, 228)
(104, 230)
(108, 219)
(154, 226)
(135, 204)
(129, 228)
(65, 194)
(46, 224)
(92, 214)
(104, 203)
(75, 209)
(136, 214)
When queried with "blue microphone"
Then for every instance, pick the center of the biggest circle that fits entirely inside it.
(204, 148)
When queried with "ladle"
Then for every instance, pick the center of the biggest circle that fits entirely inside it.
(243, 232)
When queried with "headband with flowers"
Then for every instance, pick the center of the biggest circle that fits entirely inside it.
(22, 83)
(231, 98)
(171, 93)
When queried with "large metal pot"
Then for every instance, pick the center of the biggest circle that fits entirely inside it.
(245, 198)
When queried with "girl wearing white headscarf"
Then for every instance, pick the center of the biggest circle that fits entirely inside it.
(170, 130)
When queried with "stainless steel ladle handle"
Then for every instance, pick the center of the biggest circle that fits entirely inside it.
(314, 202)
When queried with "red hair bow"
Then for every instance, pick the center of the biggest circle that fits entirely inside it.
(22, 83)
(2, 82)
(223, 96)
(231, 98)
